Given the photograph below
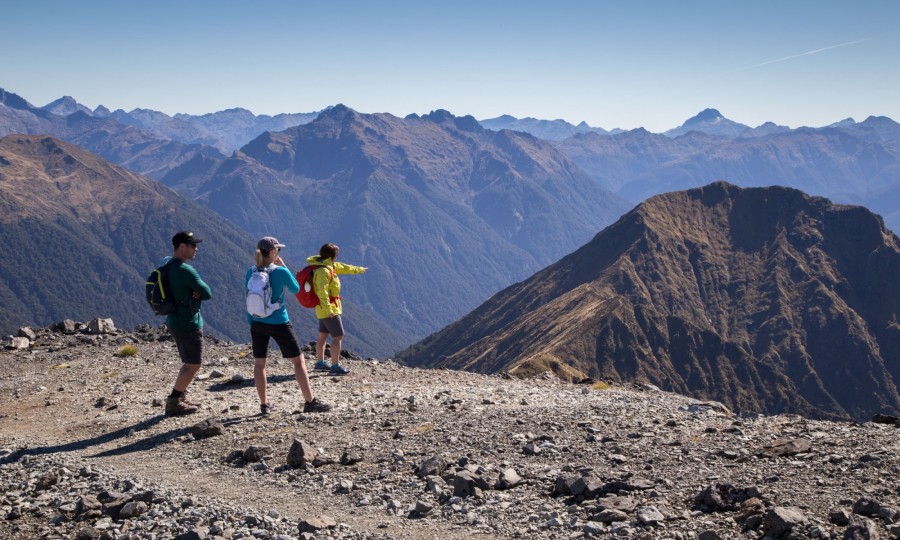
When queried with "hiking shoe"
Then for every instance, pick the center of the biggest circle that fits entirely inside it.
(316, 406)
(265, 408)
(185, 400)
(322, 365)
(175, 406)
(338, 369)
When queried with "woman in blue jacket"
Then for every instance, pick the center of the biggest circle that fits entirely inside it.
(277, 325)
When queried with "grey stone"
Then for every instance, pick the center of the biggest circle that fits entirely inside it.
(101, 326)
(296, 456)
(508, 479)
(861, 528)
(866, 507)
(66, 326)
(588, 487)
(87, 504)
(610, 516)
(782, 519)
(18, 343)
(433, 466)
(839, 516)
(564, 485)
(27, 332)
(531, 449)
(86, 532)
(419, 509)
(210, 427)
(133, 509)
(466, 483)
(254, 454)
(317, 524)
(709, 535)
(199, 533)
(649, 515)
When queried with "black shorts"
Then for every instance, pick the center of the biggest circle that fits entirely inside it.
(282, 333)
(190, 345)
(332, 325)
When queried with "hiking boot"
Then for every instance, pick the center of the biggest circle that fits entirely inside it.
(322, 365)
(316, 406)
(265, 408)
(175, 406)
(184, 400)
(338, 369)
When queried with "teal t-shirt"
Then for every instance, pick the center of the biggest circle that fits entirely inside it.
(280, 278)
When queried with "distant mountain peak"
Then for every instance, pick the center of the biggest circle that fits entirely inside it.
(65, 106)
(706, 116)
(438, 116)
(462, 123)
(14, 101)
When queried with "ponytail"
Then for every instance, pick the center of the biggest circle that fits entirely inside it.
(260, 257)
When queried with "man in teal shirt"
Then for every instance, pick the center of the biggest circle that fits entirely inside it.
(186, 324)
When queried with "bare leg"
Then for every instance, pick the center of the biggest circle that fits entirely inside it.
(336, 350)
(259, 379)
(185, 376)
(302, 377)
(320, 346)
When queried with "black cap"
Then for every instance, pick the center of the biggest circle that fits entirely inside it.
(185, 237)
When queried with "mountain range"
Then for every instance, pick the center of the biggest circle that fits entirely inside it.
(847, 161)
(855, 163)
(765, 299)
(80, 236)
(551, 130)
(446, 212)
(441, 210)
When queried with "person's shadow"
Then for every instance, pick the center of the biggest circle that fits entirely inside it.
(145, 443)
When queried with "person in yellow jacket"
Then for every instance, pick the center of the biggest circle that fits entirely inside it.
(327, 286)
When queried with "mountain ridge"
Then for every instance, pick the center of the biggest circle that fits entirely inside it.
(751, 296)
(432, 191)
(104, 228)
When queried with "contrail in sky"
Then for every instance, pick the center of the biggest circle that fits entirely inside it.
(807, 53)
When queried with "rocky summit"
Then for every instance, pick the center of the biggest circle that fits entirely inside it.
(765, 299)
(86, 452)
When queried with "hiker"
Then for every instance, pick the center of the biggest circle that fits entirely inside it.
(186, 324)
(328, 288)
(277, 325)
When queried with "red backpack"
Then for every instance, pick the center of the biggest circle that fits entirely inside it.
(307, 295)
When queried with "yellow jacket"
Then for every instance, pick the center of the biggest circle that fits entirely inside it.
(328, 286)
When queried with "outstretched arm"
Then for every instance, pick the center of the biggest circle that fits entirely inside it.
(341, 268)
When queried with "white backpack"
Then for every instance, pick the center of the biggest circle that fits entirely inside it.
(259, 294)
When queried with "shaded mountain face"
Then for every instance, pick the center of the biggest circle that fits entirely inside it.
(765, 299)
(442, 211)
(233, 128)
(835, 162)
(80, 236)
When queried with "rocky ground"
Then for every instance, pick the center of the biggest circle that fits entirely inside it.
(85, 452)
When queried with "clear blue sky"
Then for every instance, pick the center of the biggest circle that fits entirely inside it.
(623, 64)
